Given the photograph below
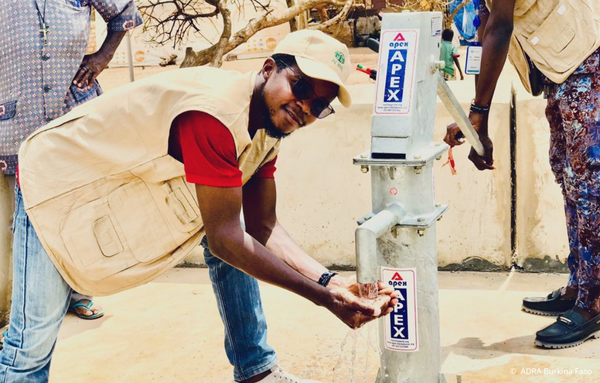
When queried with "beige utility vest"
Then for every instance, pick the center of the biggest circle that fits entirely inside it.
(557, 35)
(111, 208)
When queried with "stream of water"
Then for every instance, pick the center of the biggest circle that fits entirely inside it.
(359, 351)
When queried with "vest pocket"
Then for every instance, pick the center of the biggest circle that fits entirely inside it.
(94, 242)
(175, 198)
(565, 37)
(106, 235)
(140, 221)
(182, 205)
(113, 233)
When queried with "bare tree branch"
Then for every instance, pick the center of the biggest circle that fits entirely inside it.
(204, 57)
(222, 43)
(172, 21)
(177, 19)
(337, 18)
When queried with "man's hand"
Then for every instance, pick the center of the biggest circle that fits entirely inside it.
(91, 66)
(353, 308)
(486, 161)
(453, 135)
(454, 138)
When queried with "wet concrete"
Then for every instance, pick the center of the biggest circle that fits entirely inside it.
(169, 331)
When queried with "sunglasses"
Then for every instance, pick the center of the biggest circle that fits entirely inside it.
(302, 90)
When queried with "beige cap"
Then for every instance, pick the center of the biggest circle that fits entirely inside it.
(319, 56)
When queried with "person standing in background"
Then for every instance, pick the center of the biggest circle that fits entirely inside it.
(449, 54)
(44, 73)
(555, 47)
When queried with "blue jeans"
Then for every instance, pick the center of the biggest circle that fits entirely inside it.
(40, 299)
(240, 306)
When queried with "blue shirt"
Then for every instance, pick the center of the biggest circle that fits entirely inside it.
(36, 78)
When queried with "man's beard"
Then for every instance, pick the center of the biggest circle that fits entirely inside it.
(271, 129)
(269, 125)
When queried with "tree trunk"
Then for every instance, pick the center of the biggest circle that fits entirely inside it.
(217, 60)
(189, 59)
(293, 26)
(323, 13)
(301, 21)
(329, 25)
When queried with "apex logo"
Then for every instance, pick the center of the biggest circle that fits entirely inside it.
(397, 277)
(399, 37)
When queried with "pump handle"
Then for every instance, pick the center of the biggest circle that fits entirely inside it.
(456, 111)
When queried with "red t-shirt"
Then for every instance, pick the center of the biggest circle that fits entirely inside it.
(207, 150)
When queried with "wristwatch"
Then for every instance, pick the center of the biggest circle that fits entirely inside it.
(325, 278)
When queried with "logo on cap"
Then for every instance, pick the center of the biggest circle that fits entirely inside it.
(339, 60)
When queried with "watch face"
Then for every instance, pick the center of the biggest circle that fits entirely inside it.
(325, 278)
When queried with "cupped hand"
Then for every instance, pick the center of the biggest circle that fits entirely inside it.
(355, 310)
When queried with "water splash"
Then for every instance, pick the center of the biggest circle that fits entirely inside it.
(358, 347)
(368, 291)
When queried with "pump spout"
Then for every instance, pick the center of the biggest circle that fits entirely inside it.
(366, 235)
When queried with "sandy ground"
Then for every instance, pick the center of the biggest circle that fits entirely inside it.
(169, 331)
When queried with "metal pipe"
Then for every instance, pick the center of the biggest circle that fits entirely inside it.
(129, 56)
(366, 241)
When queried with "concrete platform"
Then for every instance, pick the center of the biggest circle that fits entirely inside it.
(170, 331)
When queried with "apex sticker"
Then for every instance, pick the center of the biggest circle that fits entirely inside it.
(401, 332)
(395, 81)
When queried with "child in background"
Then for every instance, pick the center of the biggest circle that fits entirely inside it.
(449, 54)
